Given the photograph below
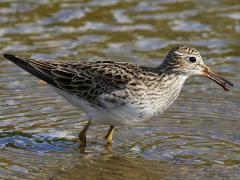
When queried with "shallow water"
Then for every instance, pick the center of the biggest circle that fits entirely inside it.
(197, 138)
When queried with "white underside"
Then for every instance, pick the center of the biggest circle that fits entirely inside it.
(124, 115)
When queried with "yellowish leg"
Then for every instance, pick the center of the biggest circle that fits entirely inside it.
(109, 135)
(82, 134)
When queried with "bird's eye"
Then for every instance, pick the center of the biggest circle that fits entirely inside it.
(192, 59)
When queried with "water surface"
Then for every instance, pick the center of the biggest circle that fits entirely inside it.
(197, 138)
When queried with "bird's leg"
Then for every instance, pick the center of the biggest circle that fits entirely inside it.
(109, 135)
(82, 134)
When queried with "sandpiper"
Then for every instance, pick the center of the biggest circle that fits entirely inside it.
(120, 93)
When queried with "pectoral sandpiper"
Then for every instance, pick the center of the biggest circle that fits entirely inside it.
(120, 93)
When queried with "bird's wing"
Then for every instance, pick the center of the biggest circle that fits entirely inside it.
(85, 79)
(41, 70)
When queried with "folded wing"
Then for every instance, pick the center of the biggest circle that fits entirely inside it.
(85, 79)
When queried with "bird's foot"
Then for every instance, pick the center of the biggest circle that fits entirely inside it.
(82, 135)
(109, 136)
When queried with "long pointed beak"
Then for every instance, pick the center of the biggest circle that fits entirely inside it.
(217, 78)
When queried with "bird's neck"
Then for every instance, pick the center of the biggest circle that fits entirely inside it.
(167, 76)
(164, 90)
(171, 81)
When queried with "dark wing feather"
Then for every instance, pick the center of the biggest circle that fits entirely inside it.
(85, 79)
(41, 70)
(91, 79)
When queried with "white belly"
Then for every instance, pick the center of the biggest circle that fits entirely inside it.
(124, 115)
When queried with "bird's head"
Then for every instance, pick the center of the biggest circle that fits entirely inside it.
(187, 61)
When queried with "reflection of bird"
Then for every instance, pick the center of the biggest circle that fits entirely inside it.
(120, 93)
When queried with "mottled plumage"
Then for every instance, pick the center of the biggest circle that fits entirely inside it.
(120, 93)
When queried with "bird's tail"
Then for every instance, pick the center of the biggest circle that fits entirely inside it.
(41, 70)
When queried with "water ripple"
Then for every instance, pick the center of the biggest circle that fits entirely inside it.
(197, 137)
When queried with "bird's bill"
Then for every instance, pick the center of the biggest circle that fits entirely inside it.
(217, 79)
